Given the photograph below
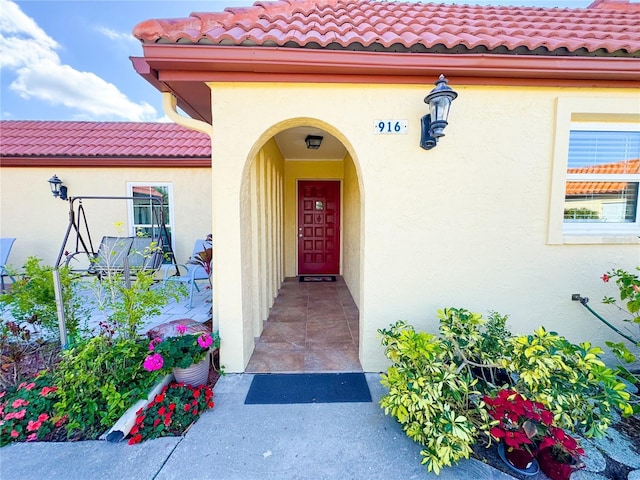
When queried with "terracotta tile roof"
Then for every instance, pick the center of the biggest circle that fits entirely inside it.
(587, 188)
(100, 139)
(610, 27)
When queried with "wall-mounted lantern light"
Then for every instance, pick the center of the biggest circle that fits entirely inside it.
(57, 188)
(313, 141)
(433, 124)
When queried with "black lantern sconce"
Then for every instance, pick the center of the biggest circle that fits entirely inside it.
(433, 124)
(313, 142)
(57, 188)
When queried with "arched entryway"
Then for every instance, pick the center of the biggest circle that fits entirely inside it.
(311, 325)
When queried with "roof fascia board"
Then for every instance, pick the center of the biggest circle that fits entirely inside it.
(198, 62)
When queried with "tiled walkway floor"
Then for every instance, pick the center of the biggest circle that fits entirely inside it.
(312, 327)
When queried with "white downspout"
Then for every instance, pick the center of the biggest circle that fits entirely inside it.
(170, 104)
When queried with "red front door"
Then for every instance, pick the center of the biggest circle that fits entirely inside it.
(318, 227)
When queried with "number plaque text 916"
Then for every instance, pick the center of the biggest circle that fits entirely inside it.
(390, 127)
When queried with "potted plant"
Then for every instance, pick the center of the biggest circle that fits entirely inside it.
(185, 354)
(559, 455)
(522, 425)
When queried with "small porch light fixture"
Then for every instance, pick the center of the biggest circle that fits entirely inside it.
(57, 188)
(313, 142)
(433, 124)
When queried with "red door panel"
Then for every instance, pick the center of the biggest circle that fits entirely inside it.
(318, 227)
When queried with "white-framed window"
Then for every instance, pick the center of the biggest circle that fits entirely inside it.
(602, 179)
(595, 183)
(151, 211)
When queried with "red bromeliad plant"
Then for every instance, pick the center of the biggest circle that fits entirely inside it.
(171, 412)
(522, 424)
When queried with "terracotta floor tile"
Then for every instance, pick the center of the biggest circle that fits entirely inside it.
(288, 314)
(312, 327)
(289, 332)
(328, 332)
(332, 357)
(276, 357)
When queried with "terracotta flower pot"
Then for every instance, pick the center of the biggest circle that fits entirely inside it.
(520, 459)
(556, 469)
(194, 375)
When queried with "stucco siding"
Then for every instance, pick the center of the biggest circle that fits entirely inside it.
(39, 222)
(464, 224)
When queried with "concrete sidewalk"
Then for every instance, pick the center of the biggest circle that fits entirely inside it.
(246, 442)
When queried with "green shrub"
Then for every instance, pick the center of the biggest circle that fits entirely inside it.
(435, 383)
(570, 380)
(32, 299)
(98, 380)
(429, 396)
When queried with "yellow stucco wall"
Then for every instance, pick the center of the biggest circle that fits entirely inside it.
(38, 221)
(464, 224)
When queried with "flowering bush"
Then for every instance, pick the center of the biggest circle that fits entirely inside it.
(522, 424)
(26, 414)
(175, 408)
(180, 351)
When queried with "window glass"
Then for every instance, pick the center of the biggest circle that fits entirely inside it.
(150, 209)
(602, 177)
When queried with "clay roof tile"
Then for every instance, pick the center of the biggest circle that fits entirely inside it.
(607, 27)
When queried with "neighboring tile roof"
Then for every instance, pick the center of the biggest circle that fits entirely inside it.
(100, 139)
(602, 187)
(610, 27)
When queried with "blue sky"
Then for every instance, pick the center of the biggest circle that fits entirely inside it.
(69, 60)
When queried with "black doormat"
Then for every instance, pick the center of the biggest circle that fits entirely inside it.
(281, 388)
(317, 278)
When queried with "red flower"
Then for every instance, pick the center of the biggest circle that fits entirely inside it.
(196, 393)
(139, 419)
(167, 420)
(14, 434)
(134, 430)
(47, 390)
(187, 406)
(156, 422)
(605, 278)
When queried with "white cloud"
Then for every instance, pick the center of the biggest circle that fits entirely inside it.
(122, 37)
(31, 54)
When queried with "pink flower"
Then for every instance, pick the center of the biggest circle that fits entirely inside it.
(182, 329)
(153, 362)
(605, 278)
(32, 437)
(636, 288)
(47, 390)
(19, 402)
(31, 426)
(30, 386)
(14, 434)
(205, 340)
(43, 417)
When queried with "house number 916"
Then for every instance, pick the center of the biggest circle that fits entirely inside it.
(390, 127)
